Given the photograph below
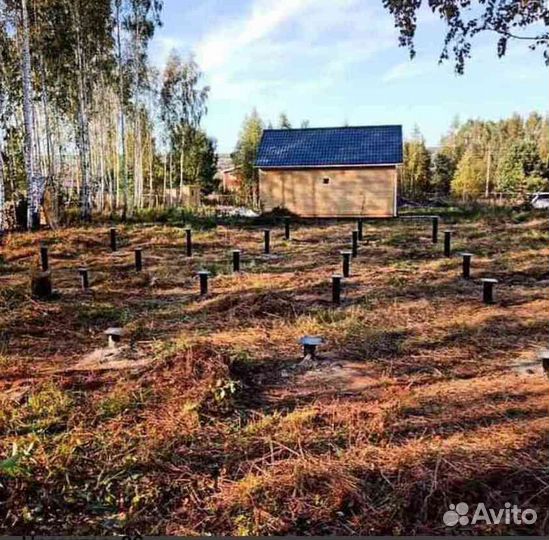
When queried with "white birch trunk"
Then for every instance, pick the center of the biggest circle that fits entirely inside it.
(164, 180)
(138, 151)
(170, 183)
(102, 164)
(33, 202)
(124, 175)
(2, 199)
(138, 163)
(151, 158)
(181, 163)
(488, 173)
(83, 131)
(37, 151)
(45, 106)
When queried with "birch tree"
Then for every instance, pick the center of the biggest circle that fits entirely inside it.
(2, 198)
(122, 170)
(245, 153)
(33, 202)
(4, 115)
(83, 125)
(183, 105)
(136, 21)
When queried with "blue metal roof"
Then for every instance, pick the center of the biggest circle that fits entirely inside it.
(329, 147)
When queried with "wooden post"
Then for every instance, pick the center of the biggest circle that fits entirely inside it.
(203, 276)
(544, 359)
(359, 227)
(310, 343)
(114, 336)
(41, 285)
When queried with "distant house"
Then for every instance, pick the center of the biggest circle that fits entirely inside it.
(231, 179)
(330, 172)
(228, 175)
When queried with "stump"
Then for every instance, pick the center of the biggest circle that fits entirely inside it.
(41, 285)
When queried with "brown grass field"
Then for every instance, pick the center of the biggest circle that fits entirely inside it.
(209, 422)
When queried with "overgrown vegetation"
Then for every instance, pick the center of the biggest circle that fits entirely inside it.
(422, 396)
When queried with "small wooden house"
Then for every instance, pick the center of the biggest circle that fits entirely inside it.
(228, 175)
(330, 172)
(231, 179)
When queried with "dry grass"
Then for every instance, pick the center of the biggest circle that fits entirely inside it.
(421, 398)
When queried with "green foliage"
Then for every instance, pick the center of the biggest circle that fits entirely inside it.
(121, 401)
(469, 180)
(225, 391)
(183, 104)
(76, 87)
(520, 169)
(45, 409)
(464, 20)
(416, 171)
(246, 151)
(15, 466)
(204, 157)
(102, 313)
(199, 158)
(443, 171)
(508, 157)
(183, 101)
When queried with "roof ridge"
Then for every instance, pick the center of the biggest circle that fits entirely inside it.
(334, 127)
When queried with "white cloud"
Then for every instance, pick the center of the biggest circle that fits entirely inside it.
(409, 70)
(299, 44)
(265, 17)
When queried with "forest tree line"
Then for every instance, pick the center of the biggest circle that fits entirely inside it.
(480, 159)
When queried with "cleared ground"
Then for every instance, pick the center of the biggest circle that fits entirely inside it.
(208, 421)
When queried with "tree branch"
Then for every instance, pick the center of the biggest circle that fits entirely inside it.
(543, 37)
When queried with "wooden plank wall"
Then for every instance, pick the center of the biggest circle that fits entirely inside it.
(349, 192)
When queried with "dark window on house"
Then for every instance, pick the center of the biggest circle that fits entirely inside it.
(326, 180)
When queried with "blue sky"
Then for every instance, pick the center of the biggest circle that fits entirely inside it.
(338, 61)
